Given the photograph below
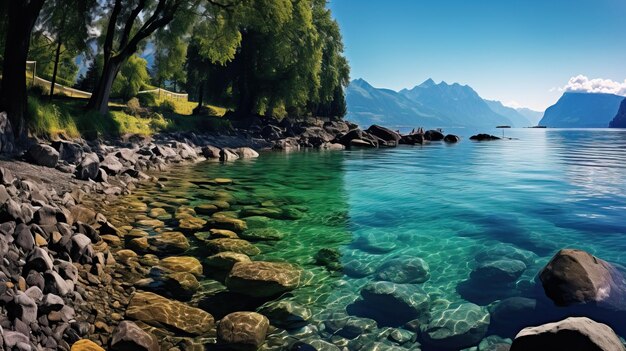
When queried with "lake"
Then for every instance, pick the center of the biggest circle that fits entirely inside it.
(403, 230)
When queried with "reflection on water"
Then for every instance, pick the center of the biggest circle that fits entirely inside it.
(419, 229)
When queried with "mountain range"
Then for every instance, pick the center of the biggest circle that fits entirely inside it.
(430, 105)
(582, 110)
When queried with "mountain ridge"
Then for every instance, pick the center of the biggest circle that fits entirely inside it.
(582, 110)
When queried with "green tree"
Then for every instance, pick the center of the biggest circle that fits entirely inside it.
(43, 49)
(66, 22)
(132, 77)
(129, 24)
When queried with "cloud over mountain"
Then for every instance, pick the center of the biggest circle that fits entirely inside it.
(583, 84)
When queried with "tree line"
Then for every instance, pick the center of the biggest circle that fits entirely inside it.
(257, 57)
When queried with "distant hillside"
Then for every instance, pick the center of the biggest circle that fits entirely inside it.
(620, 119)
(517, 119)
(582, 110)
(368, 105)
(429, 105)
(533, 116)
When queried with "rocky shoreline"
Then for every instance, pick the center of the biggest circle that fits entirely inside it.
(72, 279)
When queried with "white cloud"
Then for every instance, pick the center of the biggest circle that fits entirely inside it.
(582, 83)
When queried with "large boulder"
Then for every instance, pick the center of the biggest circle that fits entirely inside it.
(457, 327)
(433, 135)
(88, 168)
(246, 152)
(262, 279)
(571, 334)
(388, 135)
(127, 336)
(498, 271)
(69, 152)
(396, 304)
(111, 164)
(160, 312)
(286, 314)
(483, 137)
(180, 264)
(43, 155)
(575, 276)
(243, 330)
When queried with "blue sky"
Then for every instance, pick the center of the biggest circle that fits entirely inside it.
(518, 51)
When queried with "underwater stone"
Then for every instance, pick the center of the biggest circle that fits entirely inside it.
(263, 279)
(243, 330)
(457, 327)
(498, 272)
(286, 314)
(404, 270)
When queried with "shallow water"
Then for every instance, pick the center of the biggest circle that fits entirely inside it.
(544, 190)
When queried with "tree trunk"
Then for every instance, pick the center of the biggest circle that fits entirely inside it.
(56, 67)
(99, 100)
(22, 16)
(200, 95)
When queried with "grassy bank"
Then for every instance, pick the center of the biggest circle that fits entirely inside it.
(67, 116)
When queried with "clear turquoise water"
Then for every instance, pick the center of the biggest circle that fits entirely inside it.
(544, 190)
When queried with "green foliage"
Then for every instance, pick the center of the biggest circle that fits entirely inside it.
(87, 82)
(147, 99)
(132, 77)
(48, 120)
(167, 106)
(42, 50)
(278, 57)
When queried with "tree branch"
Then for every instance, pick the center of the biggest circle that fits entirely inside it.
(130, 21)
(108, 42)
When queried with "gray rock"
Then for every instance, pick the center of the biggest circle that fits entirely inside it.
(227, 155)
(246, 152)
(111, 165)
(26, 308)
(6, 176)
(502, 251)
(88, 167)
(46, 215)
(13, 338)
(68, 151)
(404, 270)
(7, 139)
(52, 302)
(498, 271)
(211, 152)
(457, 327)
(127, 336)
(43, 155)
(55, 284)
(571, 334)
(24, 238)
(38, 260)
(81, 245)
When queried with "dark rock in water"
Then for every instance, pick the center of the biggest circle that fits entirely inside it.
(263, 279)
(483, 137)
(404, 270)
(349, 326)
(243, 330)
(286, 314)
(262, 234)
(393, 304)
(178, 285)
(571, 334)
(358, 269)
(384, 133)
(127, 336)
(498, 272)
(413, 139)
(575, 276)
(88, 167)
(494, 343)
(70, 152)
(433, 135)
(505, 251)
(515, 313)
(457, 327)
(329, 258)
(451, 138)
(227, 155)
(43, 155)
(620, 119)
(357, 138)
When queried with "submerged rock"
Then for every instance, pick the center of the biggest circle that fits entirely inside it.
(226, 260)
(232, 245)
(185, 264)
(571, 334)
(457, 327)
(243, 330)
(394, 304)
(498, 272)
(575, 276)
(286, 314)
(159, 312)
(127, 336)
(263, 279)
(404, 270)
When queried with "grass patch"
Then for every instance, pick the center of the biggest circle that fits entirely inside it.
(65, 116)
